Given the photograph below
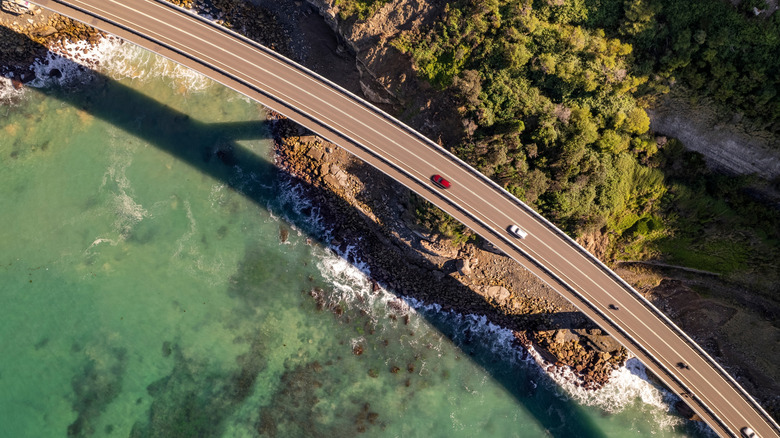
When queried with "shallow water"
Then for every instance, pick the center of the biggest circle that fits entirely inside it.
(160, 278)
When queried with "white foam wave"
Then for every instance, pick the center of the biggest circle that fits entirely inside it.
(101, 240)
(128, 211)
(349, 284)
(291, 197)
(133, 62)
(8, 93)
(71, 63)
(352, 284)
(189, 256)
(501, 340)
(187, 236)
(628, 386)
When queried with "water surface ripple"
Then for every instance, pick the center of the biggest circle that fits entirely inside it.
(160, 278)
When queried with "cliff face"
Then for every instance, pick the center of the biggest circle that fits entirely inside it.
(369, 39)
(387, 76)
(724, 140)
(463, 277)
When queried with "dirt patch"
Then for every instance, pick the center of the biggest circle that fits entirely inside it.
(735, 326)
(370, 211)
(367, 208)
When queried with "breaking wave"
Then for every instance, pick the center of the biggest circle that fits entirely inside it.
(628, 386)
(128, 212)
(133, 62)
(9, 93)
(74, 63)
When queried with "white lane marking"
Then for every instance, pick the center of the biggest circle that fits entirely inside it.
(325, 118)
(343, 128)
(466, 187)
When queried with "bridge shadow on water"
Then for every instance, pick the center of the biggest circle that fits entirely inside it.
(213, 150)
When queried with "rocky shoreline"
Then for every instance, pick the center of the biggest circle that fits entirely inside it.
(26, 38)
(355, 202)
(367, 210)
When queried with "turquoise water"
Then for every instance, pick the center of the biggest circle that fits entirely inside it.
(159, 278)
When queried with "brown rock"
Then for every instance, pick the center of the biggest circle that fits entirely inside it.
(464, 267)
(498, 293)
(686, 411)
(46, 31)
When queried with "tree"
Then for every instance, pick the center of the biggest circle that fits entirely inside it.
(637, 121)
(639, 16)
(469, 86)
(546, 63)
(612, 142)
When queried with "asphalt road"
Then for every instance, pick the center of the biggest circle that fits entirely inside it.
(408, 157)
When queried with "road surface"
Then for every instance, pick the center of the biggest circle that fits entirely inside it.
(407, 156)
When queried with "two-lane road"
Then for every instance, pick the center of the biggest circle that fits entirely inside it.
(411, 159)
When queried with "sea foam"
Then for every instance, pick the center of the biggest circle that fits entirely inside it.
(8, 93)
(133, 62)
(628, 386)
(72, 63)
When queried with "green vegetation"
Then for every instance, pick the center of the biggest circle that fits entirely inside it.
(716, 222)
(360, 9)
(552, 96)
(551, 108)
(720, 51)
(432, 217)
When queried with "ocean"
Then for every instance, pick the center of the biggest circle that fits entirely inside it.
(159, 277)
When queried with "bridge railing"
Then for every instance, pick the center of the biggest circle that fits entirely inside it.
(516, 201)
(470, 169)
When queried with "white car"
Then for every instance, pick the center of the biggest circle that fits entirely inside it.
(517, 232)
(748, 432)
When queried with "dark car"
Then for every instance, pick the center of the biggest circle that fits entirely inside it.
(440, 181)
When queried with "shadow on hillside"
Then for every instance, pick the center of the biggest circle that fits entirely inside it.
(212, 150)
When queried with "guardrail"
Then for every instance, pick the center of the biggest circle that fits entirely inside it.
(455, 160)
(511, 198)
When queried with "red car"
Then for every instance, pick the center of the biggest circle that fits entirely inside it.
(440, 181)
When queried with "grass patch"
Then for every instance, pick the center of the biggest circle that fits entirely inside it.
(716, 254)
(361, 9)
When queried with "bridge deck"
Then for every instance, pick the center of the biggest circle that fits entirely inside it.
(407, 156)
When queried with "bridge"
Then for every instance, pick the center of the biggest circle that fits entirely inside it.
(410, 158)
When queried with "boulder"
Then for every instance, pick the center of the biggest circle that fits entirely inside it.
(315, 153)
(563, 336)
(46, 31)
(464, 267)
(602, 343)
(498, 293)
